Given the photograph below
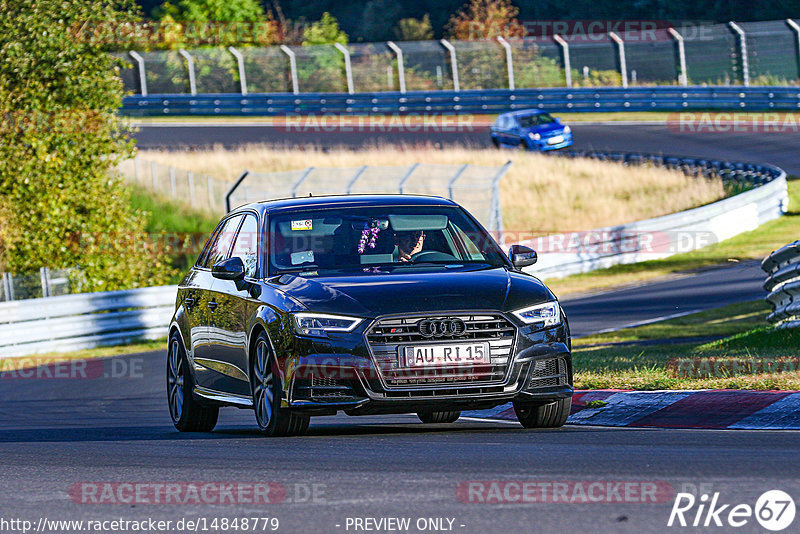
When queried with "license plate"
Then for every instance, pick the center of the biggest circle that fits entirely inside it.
(445, 355)
(555, 140)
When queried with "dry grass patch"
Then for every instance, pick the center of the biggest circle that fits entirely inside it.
(540, 194)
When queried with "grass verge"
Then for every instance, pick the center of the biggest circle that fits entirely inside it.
(724, 348)
(37, 360)
(754, 245)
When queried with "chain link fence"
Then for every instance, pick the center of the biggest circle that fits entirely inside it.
(48, 283)
(759, 53)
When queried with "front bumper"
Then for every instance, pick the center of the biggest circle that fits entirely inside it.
(344, 377)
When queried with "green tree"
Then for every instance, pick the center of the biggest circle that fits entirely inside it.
(414, 29)
(324, 31)
(61, 202)
(211, 10)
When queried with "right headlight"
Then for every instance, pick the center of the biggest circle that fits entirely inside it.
(541, 315)
(535, 136)
(319, 324)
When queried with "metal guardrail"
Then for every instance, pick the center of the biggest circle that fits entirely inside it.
(670, 98)
(783, 283)
(766, 199)
(74, 322)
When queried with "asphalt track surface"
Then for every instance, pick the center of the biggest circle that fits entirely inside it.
(109, 423)
(777, 148)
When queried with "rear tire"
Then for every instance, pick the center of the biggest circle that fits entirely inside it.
(187, 414)
(551, 415)
(272, 419)
(438, 417)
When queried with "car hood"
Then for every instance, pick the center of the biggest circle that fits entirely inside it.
(373, 295)
(555, 127)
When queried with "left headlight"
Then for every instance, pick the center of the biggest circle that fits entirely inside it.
(567, 129)
(535, 136)
(319, 324)
(541, 315)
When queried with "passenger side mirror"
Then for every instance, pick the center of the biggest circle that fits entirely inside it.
(230, 269)
(522, 256)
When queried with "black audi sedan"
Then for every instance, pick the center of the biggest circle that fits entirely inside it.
(373, 304)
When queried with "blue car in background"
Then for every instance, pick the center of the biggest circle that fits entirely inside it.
(530, 129)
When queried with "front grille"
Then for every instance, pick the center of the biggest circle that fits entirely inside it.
(551, 372)
(389, 336)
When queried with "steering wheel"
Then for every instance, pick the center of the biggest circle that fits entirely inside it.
(431, 255)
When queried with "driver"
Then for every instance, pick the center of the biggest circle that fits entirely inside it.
(408, 244)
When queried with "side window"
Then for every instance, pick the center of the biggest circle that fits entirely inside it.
(246, 245)
(221, 246)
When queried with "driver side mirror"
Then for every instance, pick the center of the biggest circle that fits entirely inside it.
(522, 256)
(230, 269)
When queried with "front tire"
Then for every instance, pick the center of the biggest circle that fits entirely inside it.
(438, 417)
(272, 419)
(187, 414)
(551, 415)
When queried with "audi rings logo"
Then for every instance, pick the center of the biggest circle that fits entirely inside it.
(442, 327)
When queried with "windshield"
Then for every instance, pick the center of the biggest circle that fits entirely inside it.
(364, 239)
(528, 121)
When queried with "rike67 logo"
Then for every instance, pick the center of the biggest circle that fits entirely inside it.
(774, 510)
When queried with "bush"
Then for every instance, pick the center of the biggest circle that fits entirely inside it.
(62, 204)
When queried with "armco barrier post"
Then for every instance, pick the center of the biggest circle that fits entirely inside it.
(401, 72)
(240, 63)
(453, 62)
(190, 68)
(509, 61)
(683, 77)
(348, 70)
(742, 52)
(142, 76)
(292, 68)
(565, 53)
(623, 67)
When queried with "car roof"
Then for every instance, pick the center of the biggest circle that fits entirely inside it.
(522, 112)
(340, 201)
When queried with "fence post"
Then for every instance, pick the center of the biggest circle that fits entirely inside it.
(683, 77)
(623, 67)
(8, 282)
(743, 52)
(793, 25)
(44, 276)
(190, 67)
(509, 61)
(565, 51)
(496, 213)
(154, 175)
(240, 63)
(232, 189)
(453, 62)
(405, 178)
(173, 183)
(190, 179)
(453, 180)
(401, 72)
(136, 171)
(348, 70)
(142, 76)
(210, 193)
(292, 68)
(301, 180)
(355, 178)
